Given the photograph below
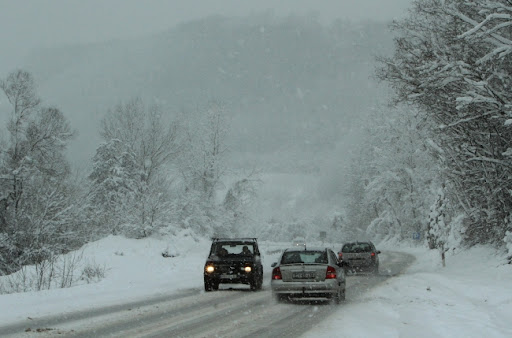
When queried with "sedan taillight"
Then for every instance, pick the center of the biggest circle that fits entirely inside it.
(330, 273)
(276, 273)
(340, 255)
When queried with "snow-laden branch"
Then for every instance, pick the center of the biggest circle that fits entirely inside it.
(487, 20)
(501, 52)
(490, 160)
(496, 38)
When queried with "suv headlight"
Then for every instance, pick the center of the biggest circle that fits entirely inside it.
(210, 268)
(247, 269)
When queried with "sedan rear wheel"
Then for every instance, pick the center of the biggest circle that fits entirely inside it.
(340, 296)
(280, 298)
(337, 297)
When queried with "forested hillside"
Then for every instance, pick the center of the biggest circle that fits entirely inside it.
(177, 132)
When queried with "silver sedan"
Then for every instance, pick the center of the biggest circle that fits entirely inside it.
(308, 273)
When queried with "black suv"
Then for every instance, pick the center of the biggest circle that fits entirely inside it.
(233, 260)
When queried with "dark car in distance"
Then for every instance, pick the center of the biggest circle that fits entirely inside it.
(360, 256)
(233, 260)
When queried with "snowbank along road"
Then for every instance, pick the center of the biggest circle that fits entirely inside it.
(229, 312)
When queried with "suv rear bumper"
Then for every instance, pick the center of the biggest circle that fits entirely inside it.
(232, 279)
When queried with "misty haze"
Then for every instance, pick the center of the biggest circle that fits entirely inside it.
(373, 139)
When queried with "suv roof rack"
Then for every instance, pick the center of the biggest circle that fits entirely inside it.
(216, 239)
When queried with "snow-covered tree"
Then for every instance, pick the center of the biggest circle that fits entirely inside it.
(239, 202)
(20, 90)
(114, 180)
(393, 173)
(508, 238)
(202, 165)
(203, 162)
(340, 230)
(37, 209)
(128, 179)
(452, 61)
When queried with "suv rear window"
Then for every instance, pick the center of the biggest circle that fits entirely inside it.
(226, 248)
(356, 247)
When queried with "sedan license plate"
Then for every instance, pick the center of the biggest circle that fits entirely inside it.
(303, 275)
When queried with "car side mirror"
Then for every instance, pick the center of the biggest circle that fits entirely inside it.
(378, 252)
(273, 264)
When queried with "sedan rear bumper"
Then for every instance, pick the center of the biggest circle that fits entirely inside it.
(362, 267)
(306, 289)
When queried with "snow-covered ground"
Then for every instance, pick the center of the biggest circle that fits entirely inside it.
(471, 297)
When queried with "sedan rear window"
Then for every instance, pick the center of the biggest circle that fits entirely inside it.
(356, 247)
(306, 257)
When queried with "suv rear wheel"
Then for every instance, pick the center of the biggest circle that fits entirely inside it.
(257, 283)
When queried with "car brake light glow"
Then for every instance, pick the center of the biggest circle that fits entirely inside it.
(276, 273)
(373, 254)
(340, 255)
(330, 273)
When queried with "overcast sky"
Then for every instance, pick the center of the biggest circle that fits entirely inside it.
(25, 24)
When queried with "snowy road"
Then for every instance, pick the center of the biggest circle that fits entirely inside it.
(192, 313)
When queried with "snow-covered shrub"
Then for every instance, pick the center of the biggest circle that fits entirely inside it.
(60, 271)
(438, 225)
(170, 251)
(93, 273)
(508, 243)
(438, 228)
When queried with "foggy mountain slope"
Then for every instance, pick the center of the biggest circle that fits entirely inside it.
(292, 85)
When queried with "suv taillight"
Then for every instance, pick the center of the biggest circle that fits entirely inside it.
(330, 273)
(372, 254)
(276, 273)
